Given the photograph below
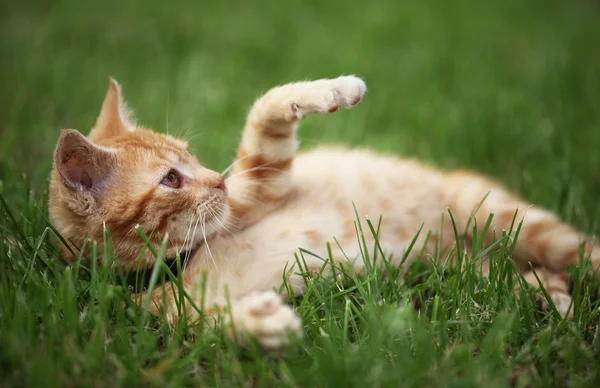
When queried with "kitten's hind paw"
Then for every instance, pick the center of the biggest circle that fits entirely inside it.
(562, 302)
(265, 317)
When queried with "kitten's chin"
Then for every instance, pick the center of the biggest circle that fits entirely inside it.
(213, 226)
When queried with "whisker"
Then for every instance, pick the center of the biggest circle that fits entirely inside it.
(216, 214)
(190, 133)
(235, 218)
(196, 136)
(203, 227)
(258, 168)
(183, 132)
(234, 163)
(255, 181)
(187, 235)
(223, 208)
(167, 113)
(187, 258)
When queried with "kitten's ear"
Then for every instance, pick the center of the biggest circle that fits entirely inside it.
(115, 117)
(80, 163)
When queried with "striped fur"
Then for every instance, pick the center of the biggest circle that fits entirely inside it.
(275, 201)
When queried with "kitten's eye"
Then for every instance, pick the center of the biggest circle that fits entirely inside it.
(172, 179)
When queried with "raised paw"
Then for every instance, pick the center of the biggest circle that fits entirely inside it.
(265, 317)
(325, 96)
(348, 90)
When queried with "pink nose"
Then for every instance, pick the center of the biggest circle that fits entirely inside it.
(216, 181)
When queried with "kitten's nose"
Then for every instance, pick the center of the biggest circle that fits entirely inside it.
(217, 181)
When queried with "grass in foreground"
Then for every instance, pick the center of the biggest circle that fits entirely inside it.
(431, 325)
(509, 88)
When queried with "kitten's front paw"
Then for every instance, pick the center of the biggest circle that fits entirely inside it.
(265, 317)
(349, 90)
(328, 95)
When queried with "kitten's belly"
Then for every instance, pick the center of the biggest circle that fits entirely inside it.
(322, 211)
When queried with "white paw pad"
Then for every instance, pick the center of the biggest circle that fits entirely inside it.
(265, 317)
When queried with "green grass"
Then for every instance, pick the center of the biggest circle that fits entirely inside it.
(510, 88)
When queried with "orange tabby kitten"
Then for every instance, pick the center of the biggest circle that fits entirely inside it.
(244, 231)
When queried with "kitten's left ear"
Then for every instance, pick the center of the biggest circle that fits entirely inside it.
(81, 163)
(115, 117)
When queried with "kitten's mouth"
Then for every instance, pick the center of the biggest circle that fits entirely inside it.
(140, 280)
(185, 255)
(214, 212)
(211, 208)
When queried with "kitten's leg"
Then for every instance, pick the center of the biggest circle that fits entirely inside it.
(260, 315)
(261, 174)
(557, 286)
(543, 240)
(264, 317)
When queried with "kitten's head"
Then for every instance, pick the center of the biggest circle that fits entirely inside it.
(122, 177)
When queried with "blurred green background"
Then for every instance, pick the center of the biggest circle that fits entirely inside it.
(508, 87)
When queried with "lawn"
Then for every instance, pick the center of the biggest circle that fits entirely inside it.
(508, 88)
